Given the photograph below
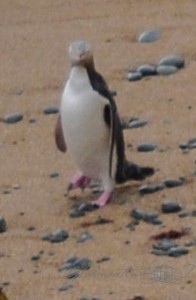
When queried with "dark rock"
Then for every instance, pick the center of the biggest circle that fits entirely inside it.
(31, 228)
(184, 146)
(13, 118)
(103, 259)
(178, 251)
(183, 214)
(149, 217)
(54, 174)
(73, 275)
(131, 225)
(158, 252)
(3, 225)
(149, 36)
(81, 209)
(65, 287)
(169, 182)
(46, 236)
(173, 60)
(134, 75)
(138, 297)
(84, 236)
(171, 206)
(32, 120)
(193, 213)
(146, 147)
(147, 70)
(35, 257)
(166, 70)
(58, 236)
(50, 110)
(138, 213)
(75, 213)
(151, 188)
(76, 263)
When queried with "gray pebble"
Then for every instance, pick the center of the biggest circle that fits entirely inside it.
(151, 188)
(137, 123)
(138, 297)
(58, 236)
(76, 263)
(178, 251)
(171, 206)
(169, 182)
(146, 147)
(134, 75)
(84, 236)
(65, 287)
(173, 60)
(54, 174)
(3, 225)
(166, 70)
(193, 213)
(35, 257)
(148, 217)
(149, 36)
(183, 214)
(50, 110)
(147, 70)
(73, 275)
(103, 259)
(76, 213)
(138, 214)
(190, 243)
(81, 209)
(84, 298)
(158, 252)
(13, 118)
(165, 245)
(194, 172)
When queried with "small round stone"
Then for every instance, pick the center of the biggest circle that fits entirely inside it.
(3, 225)
(149, 36)
(173, 60)
(73, 275)
(165, 245)
(13, 118)
(138, 214)
(50, 110)
(134, 75)
(147, 70)
(146, 147)
(84, 236)
(183, 214)
(65, 287)
(171, 206)
(35, 257)
(166, 70)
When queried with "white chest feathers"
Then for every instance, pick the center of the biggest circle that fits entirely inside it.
(86, 134)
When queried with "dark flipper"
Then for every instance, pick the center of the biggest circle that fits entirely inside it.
(59, 137)
(136, 172)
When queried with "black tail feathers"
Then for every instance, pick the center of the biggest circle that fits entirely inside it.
(136, 172)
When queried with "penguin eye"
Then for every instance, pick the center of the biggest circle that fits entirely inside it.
(107, 115)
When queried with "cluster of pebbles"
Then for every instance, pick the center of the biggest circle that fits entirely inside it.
(166, 245)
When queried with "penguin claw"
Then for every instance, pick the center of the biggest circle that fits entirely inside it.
(103, 199)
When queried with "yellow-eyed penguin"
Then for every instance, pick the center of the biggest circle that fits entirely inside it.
(89, 127)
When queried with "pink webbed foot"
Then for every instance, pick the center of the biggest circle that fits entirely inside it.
(103, 199)
(79, 181)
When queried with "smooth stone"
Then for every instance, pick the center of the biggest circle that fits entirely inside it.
(3, 224)
(13, 118)
(193, 213)
(138, 214)
(164, 245)
(87, 207)
(103, 259)
(46, 236)
(171, 206)
(35, 257)
(172, 60)
(184, 146)
(147, 70)
(75, 213)
(183, 214)
(50, 110)
(149, 36)
(137, 123)
(192, 146)
(58, 236)
(151, 188)
(134, 75)
(166, 70)
(169, 182)
(84, 236)
(54, 174)
(178, 251)
(146, 147)
(158, 252)
(138, 297)
(73, 275)
(65, 287)
(194, 172)
(76, 263)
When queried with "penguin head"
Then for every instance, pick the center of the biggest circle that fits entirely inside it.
(80, 53)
